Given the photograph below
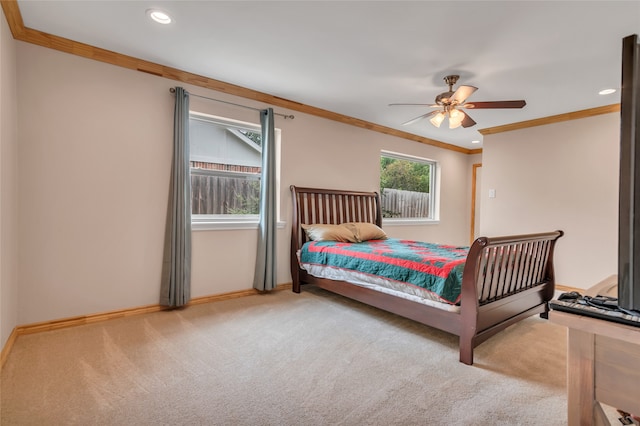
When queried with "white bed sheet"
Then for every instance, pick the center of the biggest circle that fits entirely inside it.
(375, 283)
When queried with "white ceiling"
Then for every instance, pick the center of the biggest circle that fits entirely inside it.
(356, 57)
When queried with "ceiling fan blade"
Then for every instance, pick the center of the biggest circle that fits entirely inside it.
(468, 121)
(420, 118)
(462, 94)
(496, 104)
(429, 105)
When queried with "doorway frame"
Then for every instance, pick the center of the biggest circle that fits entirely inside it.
(474, 177)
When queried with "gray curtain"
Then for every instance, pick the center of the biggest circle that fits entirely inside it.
(175, 288)
(265, 274)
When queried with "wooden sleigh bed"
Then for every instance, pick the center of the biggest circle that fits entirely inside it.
(504, 279)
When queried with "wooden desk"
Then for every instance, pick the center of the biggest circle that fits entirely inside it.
(603, 366)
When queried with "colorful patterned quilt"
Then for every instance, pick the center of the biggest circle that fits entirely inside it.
(433, 267)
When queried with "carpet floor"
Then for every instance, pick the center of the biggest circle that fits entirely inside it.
(282, 359)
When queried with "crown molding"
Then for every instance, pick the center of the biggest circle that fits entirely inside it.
(29, 35)
(22, 33)
(552, 119)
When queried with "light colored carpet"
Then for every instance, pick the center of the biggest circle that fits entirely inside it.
(282, 359)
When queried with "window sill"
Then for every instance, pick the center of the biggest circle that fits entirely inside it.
(228, 225)
(409, 222)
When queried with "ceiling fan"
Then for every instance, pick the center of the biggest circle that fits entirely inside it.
(449, 104)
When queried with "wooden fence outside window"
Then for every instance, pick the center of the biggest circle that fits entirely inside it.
(403, 204)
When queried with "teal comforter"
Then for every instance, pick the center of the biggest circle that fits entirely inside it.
(434, 267)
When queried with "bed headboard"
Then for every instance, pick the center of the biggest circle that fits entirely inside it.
(331, 206)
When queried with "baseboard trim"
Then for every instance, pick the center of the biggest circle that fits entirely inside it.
(565, 288)
(8, 346)
(234, 295)
(105, 316)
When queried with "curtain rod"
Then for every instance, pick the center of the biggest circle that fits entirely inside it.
(173, 90)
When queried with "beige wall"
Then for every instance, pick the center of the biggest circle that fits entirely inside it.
(94, 164)
(8, 185)
(93, 168)
(559, 176)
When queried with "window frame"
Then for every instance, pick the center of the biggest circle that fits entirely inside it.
(434, 190)
(208, 222)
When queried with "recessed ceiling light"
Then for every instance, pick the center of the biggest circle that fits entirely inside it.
(159, 16)
(606, 91)
(475, 141)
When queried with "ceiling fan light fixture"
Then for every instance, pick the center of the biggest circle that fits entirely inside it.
(455, 118)
(451, 101)
(437, 119)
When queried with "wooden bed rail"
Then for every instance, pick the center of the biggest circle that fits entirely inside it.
(496, 241)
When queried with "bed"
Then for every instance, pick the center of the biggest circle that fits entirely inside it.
(501, 280)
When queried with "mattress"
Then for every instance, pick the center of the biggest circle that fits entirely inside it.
(380, 284)
(424, 272)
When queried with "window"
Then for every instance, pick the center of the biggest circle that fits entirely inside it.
(226, 167)
(407, 187)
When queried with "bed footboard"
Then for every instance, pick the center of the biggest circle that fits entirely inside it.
(505, 280)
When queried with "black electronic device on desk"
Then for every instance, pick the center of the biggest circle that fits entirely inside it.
(602, 307)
